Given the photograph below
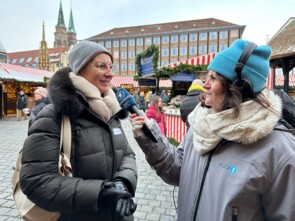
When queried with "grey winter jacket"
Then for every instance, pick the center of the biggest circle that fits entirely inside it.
(100, 152)
(233, 182)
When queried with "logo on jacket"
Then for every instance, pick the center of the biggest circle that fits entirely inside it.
(232, 169)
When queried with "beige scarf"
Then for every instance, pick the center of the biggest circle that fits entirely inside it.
(104, 107)
(253, 123)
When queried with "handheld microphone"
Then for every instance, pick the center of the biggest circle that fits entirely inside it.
(127, 103)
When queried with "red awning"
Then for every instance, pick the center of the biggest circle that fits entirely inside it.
(9, 71)
(203, 59)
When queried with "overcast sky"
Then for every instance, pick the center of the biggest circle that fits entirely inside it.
(21, 20)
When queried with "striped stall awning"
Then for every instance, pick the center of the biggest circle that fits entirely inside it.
(19, 73)
(200, 60)
(117, 81)
(280, 80)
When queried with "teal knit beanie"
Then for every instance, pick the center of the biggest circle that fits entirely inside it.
(256, 69)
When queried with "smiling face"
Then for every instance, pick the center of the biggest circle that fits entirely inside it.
(215, 91)
(99, 72)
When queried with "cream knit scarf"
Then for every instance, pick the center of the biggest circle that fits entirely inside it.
(253, 123)
(104, 107)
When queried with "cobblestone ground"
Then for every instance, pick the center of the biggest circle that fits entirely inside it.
(154, 198)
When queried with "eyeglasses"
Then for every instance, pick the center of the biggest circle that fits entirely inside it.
(103, 66)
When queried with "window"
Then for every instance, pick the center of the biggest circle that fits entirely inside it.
(131, 42)
(212, 48)
(29, 59)
(165, 52)
(148, 41)
(174, 51)
(222, 47)
(108, 44)
(139, 51)
(131, 54)
(234, 33)
(34, 65)
(213, 35)
(117, 66)
(124, 54)
(203, 36)
(116, 43)
(21, 60)
(223, 35)
(165, 39)
(36, 60)
(101, 43)
(156, 40)
(14, 61)
(124, 67)
(183, 51)
(193, 50)
(183, 38)
(131, 66)
(165, 63)
(174, 38)
(123, 43)
(203, 49)
(140, 41)
(193, 37)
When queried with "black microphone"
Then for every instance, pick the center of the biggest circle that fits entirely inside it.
(127, 103)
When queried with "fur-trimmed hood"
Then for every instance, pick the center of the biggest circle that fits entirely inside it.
(66, 99)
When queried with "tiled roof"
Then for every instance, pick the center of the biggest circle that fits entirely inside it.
(209, 23)
(9, 71)
(33, 54)
(283, 42)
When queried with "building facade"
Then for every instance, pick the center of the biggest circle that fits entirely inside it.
(177, 41)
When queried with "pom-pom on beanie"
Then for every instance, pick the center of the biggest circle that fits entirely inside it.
(83, 52)
(256, 69)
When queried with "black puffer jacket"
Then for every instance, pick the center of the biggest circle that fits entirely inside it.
(100, 152)
(188, 104)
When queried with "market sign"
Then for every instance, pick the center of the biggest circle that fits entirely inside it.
(149, 82)
(183, 76)
(146, 65)
(126, 86)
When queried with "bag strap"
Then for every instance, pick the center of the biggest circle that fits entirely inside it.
(292, 131)
(65, 136)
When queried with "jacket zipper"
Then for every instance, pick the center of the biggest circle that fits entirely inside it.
(202, 183)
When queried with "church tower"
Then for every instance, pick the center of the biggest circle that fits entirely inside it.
(72, 39)
(60, 34)
(43, 59)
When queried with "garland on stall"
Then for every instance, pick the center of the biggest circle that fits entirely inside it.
(29, 83)
(169, 71)
(146, 53)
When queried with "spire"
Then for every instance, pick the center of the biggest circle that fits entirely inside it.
(60, 21)
(43, 32)
(71, 27)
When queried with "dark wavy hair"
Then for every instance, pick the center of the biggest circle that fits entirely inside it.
(234, 98)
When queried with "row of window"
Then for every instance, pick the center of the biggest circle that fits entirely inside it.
(21, 60)
(174, 51)
(166, 38)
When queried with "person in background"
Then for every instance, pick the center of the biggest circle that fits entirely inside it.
(191, 100)
(135, 96)
(237, 161)
(141, 102)
(155, 111)
(151, 96)
(21, 105)
(162, 95)
(288, 118)
(41, 100)
(104, 167)
(166, 97)
(146, 97)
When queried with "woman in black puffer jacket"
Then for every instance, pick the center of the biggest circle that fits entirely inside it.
(103, 163)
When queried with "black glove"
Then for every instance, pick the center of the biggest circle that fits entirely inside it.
(125, 207)
(116, 195)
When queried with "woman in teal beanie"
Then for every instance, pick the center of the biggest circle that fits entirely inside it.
(237, 161)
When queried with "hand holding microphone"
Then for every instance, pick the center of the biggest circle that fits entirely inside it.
(127, 103)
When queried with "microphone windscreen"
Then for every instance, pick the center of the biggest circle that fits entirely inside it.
(125, 99)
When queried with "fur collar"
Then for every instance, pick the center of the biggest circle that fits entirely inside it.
(66, 99)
